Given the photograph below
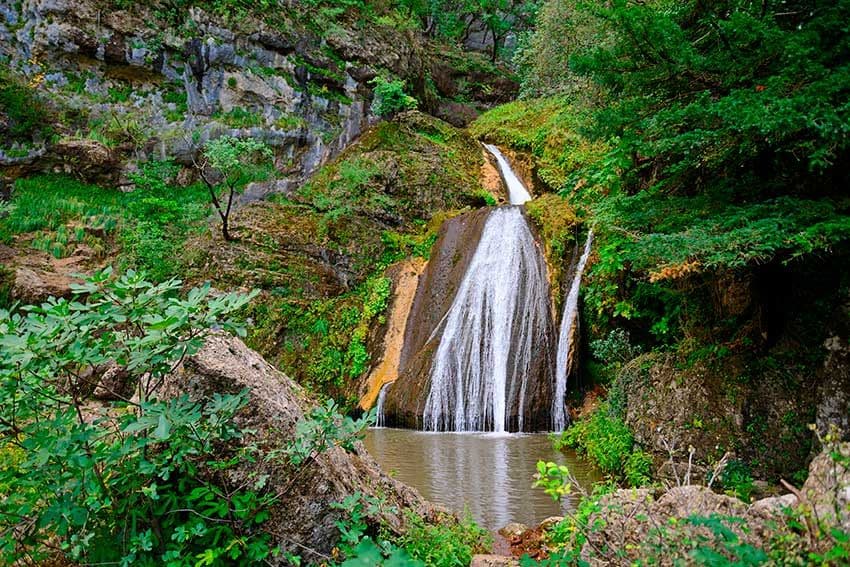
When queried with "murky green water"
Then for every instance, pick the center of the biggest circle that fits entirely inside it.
(489, 474)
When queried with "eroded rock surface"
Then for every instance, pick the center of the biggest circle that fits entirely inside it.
(302, 514)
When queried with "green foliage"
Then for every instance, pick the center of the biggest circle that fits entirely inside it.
(715, 136)
(328, 336)
(453, 20)
(547, 128)
(239, 117)
(23, 113)
(149, 225)
(390, 98)
(721, 545)
(543, 56)
(554, 479)
(638, 468)
(609, 443)
(121, 485)
(349, 189)
(324, 428)
(567, 537)
(557, 221)
(737, 480)
(613, 351)
(448, 543)
(50, 201)
(237, 161)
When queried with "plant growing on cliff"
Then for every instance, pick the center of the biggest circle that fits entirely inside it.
(390, 98)
(227, 166)
(120, 482)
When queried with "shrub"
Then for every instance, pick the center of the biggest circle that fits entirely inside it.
(447, 544)
(390, 98)
(737, 480)
(615, 348)
(609, 443)
(122, 485)
(26, 115)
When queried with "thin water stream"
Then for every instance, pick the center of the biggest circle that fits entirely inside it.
(490, 474)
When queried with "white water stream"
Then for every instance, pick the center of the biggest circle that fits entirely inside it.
(380, 418)
(482, 363)
(517, 193)
(565, 341)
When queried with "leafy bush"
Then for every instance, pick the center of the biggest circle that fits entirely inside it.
(638, 468)
(324, 428)
(23, 113)
(121, 485)
(609, 443)
(737, 480)
(615, 348)
(390, 98)
(447, 544)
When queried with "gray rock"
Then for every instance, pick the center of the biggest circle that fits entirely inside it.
(827, 489)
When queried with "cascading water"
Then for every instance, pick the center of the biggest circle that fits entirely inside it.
(565, 339)
(482, 363)
(517, 193)
(481, 366)
(380, 418)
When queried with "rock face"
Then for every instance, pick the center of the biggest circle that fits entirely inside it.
(160, 82)
(302, 514)
(437, 287)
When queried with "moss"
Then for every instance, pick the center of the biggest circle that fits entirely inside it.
(548, 129)
(320, 255)
(556, 220)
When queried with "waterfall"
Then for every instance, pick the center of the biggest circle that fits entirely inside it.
(380, 419)
(481, 366)
(565, 339)
(517, 193)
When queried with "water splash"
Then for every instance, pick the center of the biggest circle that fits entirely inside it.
(517, 193)
(381, 419)
(565, 339)
(500, 312)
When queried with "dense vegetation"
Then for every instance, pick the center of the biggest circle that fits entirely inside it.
(703, 143)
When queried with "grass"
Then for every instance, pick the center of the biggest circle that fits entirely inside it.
(548, 128)
(146, 229)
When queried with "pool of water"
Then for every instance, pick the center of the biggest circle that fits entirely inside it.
(490, 475)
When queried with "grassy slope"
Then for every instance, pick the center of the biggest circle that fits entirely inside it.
(318, 255)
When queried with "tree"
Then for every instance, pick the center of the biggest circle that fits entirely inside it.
(227, 166)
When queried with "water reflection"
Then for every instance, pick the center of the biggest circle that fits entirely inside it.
(489, 474)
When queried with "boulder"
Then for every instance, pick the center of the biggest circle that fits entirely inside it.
(88, 159)
(632, 524)
(302, 520)
(513, 529)
(827, 489)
